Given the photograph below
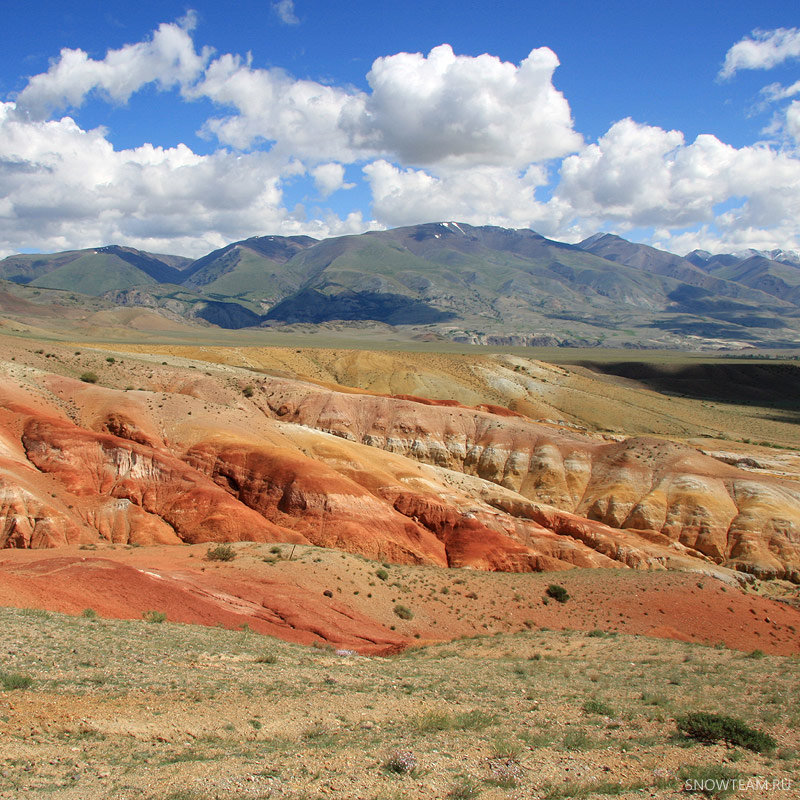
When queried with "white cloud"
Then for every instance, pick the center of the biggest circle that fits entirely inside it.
(168, 59)
(63, 187)
(329, 178)
(793, 120)
(762, 50)
(775, 91)
(300, 116)
(445, 110)
(480, 196)
(728, 240)
(461, 111)
(446, 137)
(285, 12)
(642, 176)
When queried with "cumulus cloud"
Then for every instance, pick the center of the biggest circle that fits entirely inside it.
(443, 136)
(480, 196)
(793, 120)
(762, 50)
(461, 111)
(329, 178)
(167, 59)
(284, 9)
(643, 176)
(441, 109)
(63, 187)
(298, 116)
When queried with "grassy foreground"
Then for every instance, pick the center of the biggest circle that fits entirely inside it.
(99, 708)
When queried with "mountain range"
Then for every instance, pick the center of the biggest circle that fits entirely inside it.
(479, 285)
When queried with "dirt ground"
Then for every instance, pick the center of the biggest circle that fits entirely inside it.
(137, 709)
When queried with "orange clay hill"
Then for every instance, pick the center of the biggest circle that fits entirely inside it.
(406, 518)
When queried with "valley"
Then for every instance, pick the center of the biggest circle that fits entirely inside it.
(503, 572)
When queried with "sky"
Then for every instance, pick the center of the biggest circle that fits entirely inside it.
(178, 128)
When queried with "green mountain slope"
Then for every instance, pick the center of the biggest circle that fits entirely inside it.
(771, 277)
(93, 271)
(94, 274)
(477, 284)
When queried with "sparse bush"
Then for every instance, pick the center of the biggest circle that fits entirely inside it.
(594, 706)
(89, 613)
(473, 720)
(14, 680)
(111, 359)
(266, 658)
(403, 612)
(558, 593)
(710, 728)
(400, 762)
(156, 617)
(505, 773)
(464, 789)
(248, 391)
(89, 377)
(433, 721)
(382, 574)
(756, 654)
(222, 552)
(505, 750)
(713, 780)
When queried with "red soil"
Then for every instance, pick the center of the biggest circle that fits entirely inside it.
(287, 600)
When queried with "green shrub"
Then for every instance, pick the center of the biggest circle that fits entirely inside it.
(713, 780)
(433, 721)
(710, 728)
(401, 762)
(248, 391)
(222, 552)
(403, 612)
(464, 789)
(382, 574)
(558, 593)
(89, 613)
(156, 617)
(594, 706)
(89, 377)
(14, 680)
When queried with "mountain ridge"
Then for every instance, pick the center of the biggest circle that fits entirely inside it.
(467, 283)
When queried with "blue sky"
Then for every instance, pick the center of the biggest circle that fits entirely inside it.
(178, 127)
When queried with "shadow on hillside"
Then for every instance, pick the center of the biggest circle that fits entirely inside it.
(763, 385)
(313, 306)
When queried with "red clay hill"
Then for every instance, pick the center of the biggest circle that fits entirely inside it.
(184, 456)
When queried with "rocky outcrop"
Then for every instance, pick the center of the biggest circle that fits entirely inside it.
(402, 479)
(309, 497)
(147, 484)
(641, 485)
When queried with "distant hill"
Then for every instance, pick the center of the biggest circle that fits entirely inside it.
(93, 271)
(477, 284)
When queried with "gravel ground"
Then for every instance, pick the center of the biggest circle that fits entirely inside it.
(131, 709)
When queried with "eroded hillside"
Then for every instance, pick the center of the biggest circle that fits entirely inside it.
(160, 452)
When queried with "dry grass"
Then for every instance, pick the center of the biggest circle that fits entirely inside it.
(128, 710)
